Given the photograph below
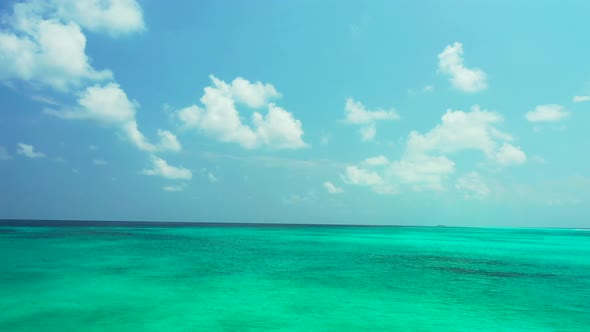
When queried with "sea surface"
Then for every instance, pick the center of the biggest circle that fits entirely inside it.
(292, 278)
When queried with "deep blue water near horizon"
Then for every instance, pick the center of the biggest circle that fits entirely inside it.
(94, 276)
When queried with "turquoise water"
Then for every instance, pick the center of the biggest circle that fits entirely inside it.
(293, 279)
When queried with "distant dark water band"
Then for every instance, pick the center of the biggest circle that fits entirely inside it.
(161, 224)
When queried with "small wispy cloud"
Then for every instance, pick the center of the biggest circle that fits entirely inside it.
(331, 188)
(99, 162)
(28, 151)
(295, 199)
(325, 138)
(175, 188)
(579, 99)
(45, 100)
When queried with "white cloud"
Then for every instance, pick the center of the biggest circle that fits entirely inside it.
(579, 99)
(220, 118)
(547, 113)
(508, 154)
(168, 141)
(115, 17)
(428, 88)
(361, 176)
(99, 162)
(109, 105)
(212, 177)
(161, 168)
(43, 99)
(136, 137)
(331, 188)
(472, 186)
(355, 175)
(376, 161)
(461, 77)
(424, 164)
(253, 95)
(175, 188)
(4, 155)
(422, 173)
(368, 133)
(458, 131)
(28, 151)
(357, 113)
(51, 53)
(209, 175)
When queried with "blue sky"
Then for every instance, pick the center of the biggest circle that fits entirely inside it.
(378, 112)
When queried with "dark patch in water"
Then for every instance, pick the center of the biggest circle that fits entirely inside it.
(502, 274)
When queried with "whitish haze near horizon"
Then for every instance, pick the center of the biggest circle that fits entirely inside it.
(380, 112)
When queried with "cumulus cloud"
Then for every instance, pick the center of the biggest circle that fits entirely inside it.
(109, 105)
(579, 99)
(331, 188)
(47, 52)
(450, 62)
(547, 113)
(425, 163)
(43, 42)
(508, 154)
(28, 151)
(357, 113)
(220, 119)
(4, 155)
(161, 168)
(472, 186)
(359, 176)
(115, 17)
(458, 131)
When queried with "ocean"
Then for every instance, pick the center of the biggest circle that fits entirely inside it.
(137, 277)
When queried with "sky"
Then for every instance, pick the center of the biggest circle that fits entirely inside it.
(350, 112)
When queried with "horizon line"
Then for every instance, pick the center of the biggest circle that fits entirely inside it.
(136, 223)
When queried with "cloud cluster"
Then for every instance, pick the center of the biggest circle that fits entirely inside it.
(218, 117)
(109, 105)
(357, 113)
(450, 62)
(547, 113)
(43, 42)
(425, 163)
